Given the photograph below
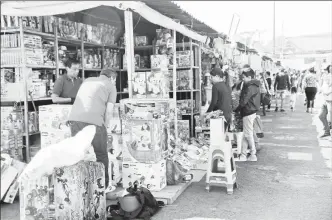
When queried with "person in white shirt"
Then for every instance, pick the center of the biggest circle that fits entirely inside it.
(326, 90)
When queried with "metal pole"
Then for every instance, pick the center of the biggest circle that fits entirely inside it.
(174, 87)
(129, 39)
(191, 85)
(82, 56)
(274, 27)
(56, 47)
(25, 86)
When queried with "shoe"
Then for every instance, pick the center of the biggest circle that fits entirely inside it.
(242, 158)
(110, 189)
(282, 110)
(252, 157)
(325, 135)
(268, 110)
(292, 109)
(276, 109)
(307, 111)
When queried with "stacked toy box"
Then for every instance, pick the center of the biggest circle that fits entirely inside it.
(53, 123)
(146, 140)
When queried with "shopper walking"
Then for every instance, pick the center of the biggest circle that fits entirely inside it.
(264, 90)
(294, 84)
(326, 90)
(94, 106)
(221, 95)
(269, 83)
(248, 107)
(281, 86)
(310, 88)
(66, 86)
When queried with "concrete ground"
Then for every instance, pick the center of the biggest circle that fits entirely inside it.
(291, 180)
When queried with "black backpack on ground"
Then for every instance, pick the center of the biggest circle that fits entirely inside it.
(148, 205)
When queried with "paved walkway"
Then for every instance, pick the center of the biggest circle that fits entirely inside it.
(291, 179)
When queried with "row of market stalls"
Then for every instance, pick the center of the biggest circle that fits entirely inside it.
(149, 43)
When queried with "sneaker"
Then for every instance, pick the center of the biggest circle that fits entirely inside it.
(282, 110)
(252, 157)
(292, 108)
(242, 158)
(325, 135)
(276, 109)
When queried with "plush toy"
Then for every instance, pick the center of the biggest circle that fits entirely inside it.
(65, 153)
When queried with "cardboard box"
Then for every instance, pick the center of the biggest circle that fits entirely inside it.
(159, 62)
(53, 117)
(151, 176)
(142, 141)
(33, 122)
(79, 191)
(139, 85)
(141, 40)
(157, 84)
(51, 137)
(34, 199)
(13, 189)
(8, 175)
(163, 108)
(11, 120)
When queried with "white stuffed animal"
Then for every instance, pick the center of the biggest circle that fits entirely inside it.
(65, 153)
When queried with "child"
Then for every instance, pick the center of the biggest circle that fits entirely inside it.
(249, 105)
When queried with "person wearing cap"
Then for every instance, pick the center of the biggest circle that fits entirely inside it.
(326, 90)
(281, 85)
(221, 95)
(66, 86)
(310, 88)
(94, 106)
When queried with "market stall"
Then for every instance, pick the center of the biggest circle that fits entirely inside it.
(123, 35)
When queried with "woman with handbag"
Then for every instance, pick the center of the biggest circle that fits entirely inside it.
(265, 92)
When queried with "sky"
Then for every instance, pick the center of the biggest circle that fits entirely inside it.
(296, 17)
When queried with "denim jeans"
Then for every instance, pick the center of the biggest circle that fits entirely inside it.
(99, 143)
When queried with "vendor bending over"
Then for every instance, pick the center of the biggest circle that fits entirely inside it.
(66, 86)
(221, 95)
(94, 106)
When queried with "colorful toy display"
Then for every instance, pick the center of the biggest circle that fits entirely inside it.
(151, 176)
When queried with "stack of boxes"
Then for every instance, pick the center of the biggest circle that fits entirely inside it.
(53, 123)
(146, 140)
(11, 132)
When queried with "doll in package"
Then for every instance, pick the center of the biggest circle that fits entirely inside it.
(139, 85)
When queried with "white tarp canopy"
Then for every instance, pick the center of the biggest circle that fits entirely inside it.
(41, 8)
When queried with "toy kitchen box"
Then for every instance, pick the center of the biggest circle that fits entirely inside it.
(53, 117)
(150, 176)
(143, 141)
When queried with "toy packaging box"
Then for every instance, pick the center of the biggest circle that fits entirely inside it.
(184, 106)
(141, 40)
(157, 84)
(139, 84)
(13, 189)
(163, 108)
(11, 120)
(159, 62)
(12, 91)
(114, 125)
(51, 137)
(114, 171)
(114, 144)
(53, 117)
(33, 122)
(34, 199)
(142, 141)
(151, 176)
(12, 144)
(183, 58)
(79, 191)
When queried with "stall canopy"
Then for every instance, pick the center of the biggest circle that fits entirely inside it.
(41, 8)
